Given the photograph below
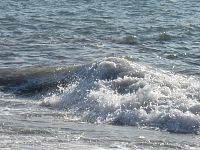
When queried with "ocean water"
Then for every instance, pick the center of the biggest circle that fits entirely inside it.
(89, 74)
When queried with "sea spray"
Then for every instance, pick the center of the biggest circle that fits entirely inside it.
(117, 91)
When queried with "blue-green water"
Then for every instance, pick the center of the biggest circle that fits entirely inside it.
(101, 63)
(162, 33)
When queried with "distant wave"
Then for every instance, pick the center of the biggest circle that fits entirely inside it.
(115, 91)
(164, 37)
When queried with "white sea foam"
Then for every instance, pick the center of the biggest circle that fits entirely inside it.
(120, 92)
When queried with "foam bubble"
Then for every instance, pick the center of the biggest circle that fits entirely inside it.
(120, 92)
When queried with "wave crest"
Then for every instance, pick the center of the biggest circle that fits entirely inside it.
(120, 92)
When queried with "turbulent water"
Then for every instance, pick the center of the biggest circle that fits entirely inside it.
(99, 74)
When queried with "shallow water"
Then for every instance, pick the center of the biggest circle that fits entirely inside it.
(99, 75)
(26, 125)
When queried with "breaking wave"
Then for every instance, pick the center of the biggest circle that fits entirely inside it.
(119, 92)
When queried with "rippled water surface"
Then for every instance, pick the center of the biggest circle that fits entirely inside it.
(163, 33)
(99, 74)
